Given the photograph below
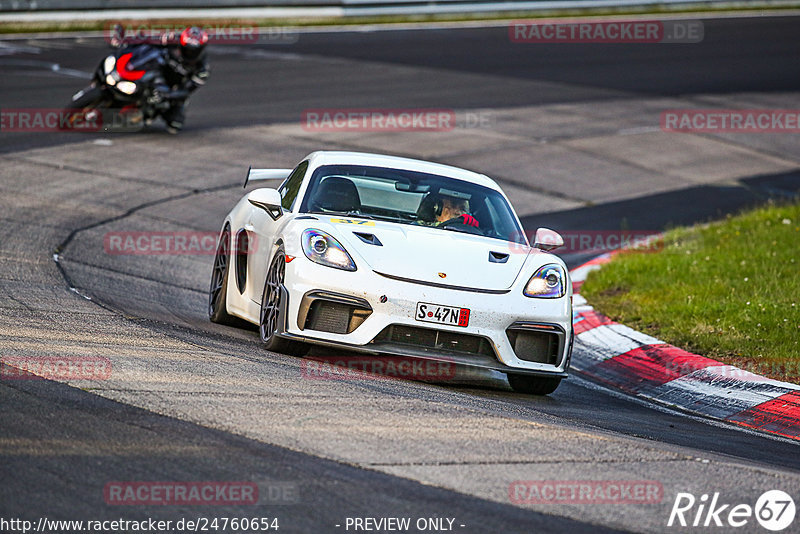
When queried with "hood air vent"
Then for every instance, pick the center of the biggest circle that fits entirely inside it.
(369, 239)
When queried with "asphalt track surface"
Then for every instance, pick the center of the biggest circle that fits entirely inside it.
(61, 444)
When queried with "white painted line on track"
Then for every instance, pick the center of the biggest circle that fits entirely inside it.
(46, 66)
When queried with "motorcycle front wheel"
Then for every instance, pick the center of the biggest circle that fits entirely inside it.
(87, 97)
(89, 102)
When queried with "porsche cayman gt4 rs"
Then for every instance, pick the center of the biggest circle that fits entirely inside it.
(397, 257)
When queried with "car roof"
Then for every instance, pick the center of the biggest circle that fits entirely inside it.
(335, 157)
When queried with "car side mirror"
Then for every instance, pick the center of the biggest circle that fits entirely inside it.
(268, 200)
(547, 239)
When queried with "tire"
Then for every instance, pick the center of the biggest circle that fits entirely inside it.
(270, 310)
(533, 385)
(93, 98)
(218, 290)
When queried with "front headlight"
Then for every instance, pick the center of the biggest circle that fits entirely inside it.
(324, 249)
(108, 64)
(127, 87)
(548, 282)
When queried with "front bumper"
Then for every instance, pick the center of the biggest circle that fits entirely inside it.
(368, 312)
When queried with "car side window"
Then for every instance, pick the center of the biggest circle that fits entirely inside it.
(291, 186)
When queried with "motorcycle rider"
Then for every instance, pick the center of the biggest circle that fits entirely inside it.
(184, 71)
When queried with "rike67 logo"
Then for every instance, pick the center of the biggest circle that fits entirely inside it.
(774, 510)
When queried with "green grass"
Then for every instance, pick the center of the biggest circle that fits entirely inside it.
(729, 290)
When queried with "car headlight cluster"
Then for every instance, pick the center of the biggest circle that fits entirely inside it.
(324, 249)
(548, 282)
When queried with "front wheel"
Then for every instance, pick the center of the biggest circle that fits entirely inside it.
(218, 292)
(88, 97)
(270, 310)
(86, 105)
(533, 385)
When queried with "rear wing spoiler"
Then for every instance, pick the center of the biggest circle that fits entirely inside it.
(265, 174)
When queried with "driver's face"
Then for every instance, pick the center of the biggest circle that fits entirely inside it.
(452, 208)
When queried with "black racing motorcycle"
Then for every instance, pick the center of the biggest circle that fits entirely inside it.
(127, 90)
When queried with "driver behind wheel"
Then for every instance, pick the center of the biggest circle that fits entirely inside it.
(436, 209)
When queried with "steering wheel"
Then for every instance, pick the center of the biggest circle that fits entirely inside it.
(463, 226)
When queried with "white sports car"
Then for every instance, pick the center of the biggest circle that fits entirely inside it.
(395, 256)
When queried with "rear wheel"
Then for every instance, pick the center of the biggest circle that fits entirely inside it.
(534, 385)
(271, 307)
(218, 292)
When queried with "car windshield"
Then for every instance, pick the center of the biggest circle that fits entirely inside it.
(409, 197)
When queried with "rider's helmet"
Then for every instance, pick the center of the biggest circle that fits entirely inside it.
(192, 42)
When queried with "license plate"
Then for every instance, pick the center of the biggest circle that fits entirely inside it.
(436, 313)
